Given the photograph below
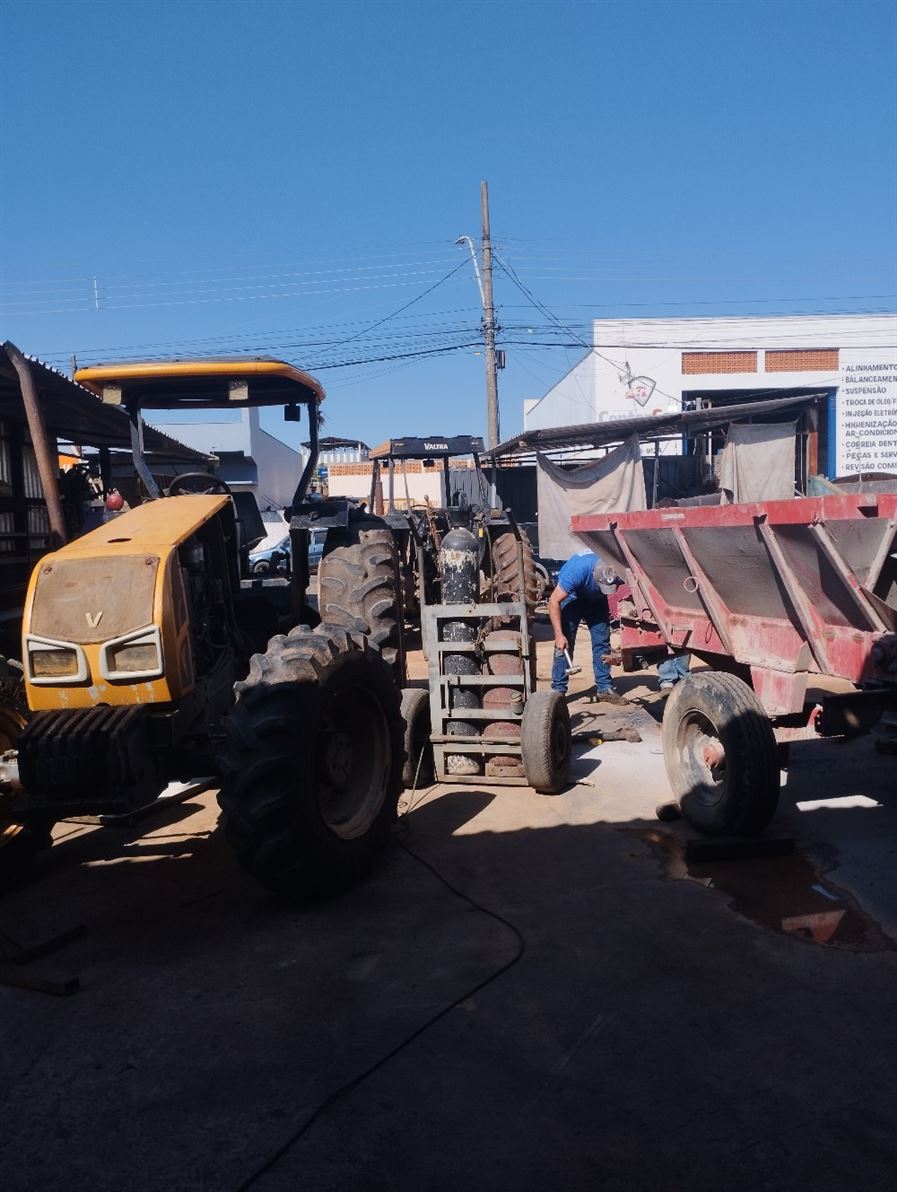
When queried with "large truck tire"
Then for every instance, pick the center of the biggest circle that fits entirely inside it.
(545, 742)
(357, 580)
(720, 755)
(312, 768)
(506, 574)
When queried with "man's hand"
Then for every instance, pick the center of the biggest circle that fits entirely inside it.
(560, 642)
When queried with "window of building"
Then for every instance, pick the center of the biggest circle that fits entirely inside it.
(719, 362)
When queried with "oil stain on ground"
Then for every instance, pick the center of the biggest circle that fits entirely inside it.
(783, 893)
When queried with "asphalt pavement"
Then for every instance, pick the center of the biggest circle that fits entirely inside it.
(529, 992)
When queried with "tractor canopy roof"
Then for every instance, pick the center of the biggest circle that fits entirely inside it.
(428, 446)
(201, 384)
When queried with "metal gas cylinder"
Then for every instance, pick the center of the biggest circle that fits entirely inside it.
(459, 569)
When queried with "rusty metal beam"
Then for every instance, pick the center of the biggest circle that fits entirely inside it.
(847, 578)
(642, 588)
(887, 544)
(718, 613)
(47, 459)
(816, 632)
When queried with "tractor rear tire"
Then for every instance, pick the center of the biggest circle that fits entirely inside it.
(357, 584)
(545, 742)
(418, 770)
(720, 755)
(312, 768)
(506, 575)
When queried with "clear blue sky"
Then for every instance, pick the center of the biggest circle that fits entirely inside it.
(276, 177)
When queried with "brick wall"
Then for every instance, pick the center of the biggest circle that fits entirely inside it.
(718, 362)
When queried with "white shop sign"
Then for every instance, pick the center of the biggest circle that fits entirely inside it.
(866, 436)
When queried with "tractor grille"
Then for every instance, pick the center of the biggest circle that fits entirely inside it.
(93, 600)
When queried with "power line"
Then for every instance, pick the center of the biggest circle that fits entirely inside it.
(199, 289)
(254, 337)
(419, 249)
(548, 314)
(237, 297)
(320, 365)
(395, 313)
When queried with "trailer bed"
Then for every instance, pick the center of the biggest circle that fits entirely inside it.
(785, 589)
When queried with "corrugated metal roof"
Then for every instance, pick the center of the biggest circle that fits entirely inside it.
(604, 434)
(76, 415)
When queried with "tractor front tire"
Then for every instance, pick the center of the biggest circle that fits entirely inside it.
(357, 584)
(312, 769)
(720, 755)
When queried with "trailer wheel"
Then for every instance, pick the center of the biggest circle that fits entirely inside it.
(720, 754)
(418, 768)
(311, 772)
(545, 742)
(357, 583)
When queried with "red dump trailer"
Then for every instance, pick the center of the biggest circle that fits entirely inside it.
(769, 595)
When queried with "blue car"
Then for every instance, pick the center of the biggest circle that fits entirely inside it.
(277, 558)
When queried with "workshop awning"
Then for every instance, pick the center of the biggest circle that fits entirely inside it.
(75, 415)
(680, 422)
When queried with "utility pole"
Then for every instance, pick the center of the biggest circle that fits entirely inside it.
(493, 429)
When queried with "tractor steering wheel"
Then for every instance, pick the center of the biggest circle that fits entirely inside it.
(203, 483)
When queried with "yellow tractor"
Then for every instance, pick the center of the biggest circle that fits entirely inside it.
(152, 653)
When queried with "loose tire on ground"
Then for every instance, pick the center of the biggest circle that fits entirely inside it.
(506, 575)
(545, 742)
(312, 769)
(720, 755)
(357, 583)
(418, 769)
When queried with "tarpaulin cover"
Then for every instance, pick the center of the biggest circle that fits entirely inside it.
(757, 462)
(614, 484)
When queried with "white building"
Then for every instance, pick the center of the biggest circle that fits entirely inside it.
(652, 366)
(250, 459)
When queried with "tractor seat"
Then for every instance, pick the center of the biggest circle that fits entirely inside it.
(250, 527)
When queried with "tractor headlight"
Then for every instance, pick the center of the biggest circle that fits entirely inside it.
(49, 662)
(137, 655)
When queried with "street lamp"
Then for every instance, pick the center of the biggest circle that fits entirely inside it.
(476, 267)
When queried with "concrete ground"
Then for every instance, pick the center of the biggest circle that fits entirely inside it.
(647, 1035)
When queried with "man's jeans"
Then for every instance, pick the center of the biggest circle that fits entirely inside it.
(674, 668)
(597, 617)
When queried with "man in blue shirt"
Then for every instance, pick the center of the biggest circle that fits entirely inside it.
(579, 597)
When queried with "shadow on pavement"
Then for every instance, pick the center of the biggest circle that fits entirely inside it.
(647, 1037)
